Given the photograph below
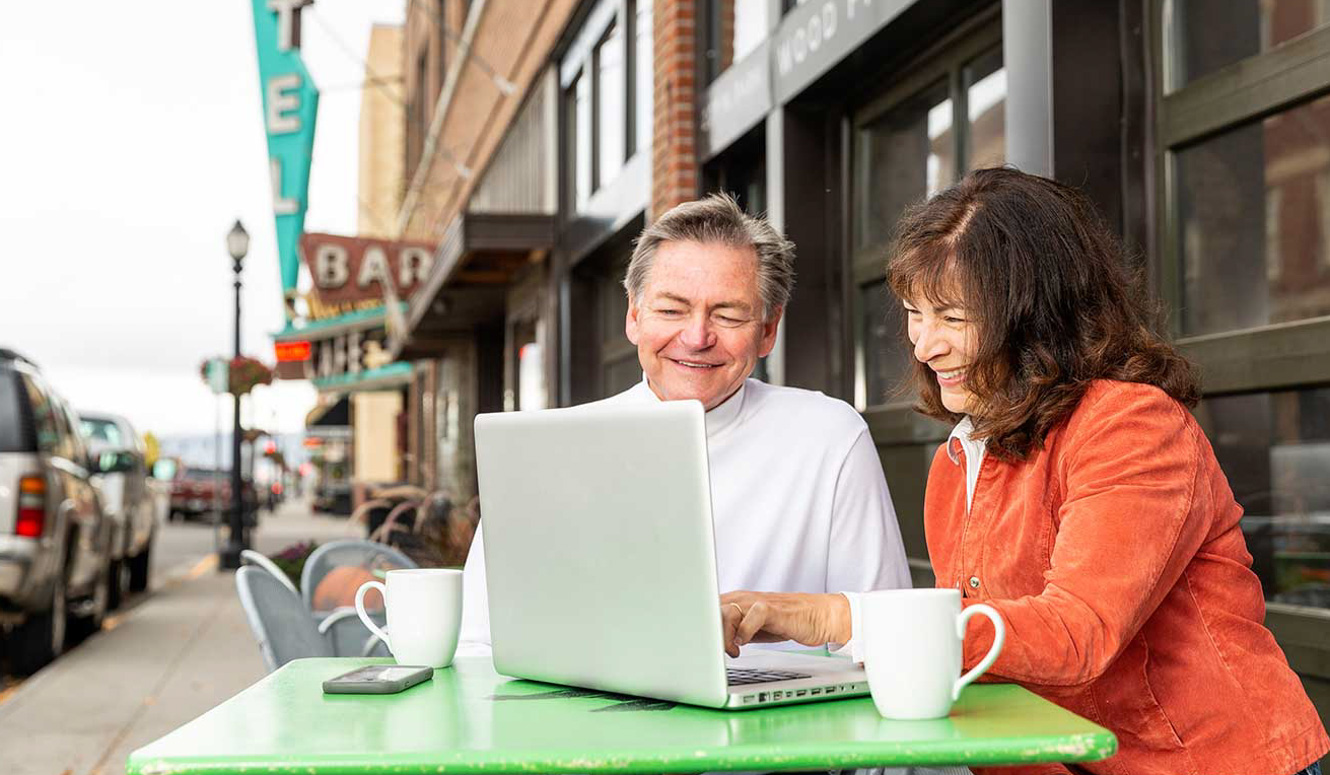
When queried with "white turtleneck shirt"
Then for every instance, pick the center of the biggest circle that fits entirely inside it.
(799, 502)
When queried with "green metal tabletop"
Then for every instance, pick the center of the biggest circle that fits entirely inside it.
(470, 719)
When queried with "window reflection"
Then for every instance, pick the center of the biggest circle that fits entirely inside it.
(1254, 220)
(886, 353)
(581, 112)
(904, 156)
(610, 113)
(986, 98)
(1275, 450)
(642, 74)
(1210, 34)
(734, 29)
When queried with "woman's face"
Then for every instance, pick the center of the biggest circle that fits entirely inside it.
(944, 339)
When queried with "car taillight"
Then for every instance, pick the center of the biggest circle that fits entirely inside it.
(31, 507)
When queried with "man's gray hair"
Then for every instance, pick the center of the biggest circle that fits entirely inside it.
(717, 218)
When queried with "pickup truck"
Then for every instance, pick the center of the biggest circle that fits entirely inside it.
(55, 543)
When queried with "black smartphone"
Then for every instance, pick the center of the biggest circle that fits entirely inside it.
(378, 679)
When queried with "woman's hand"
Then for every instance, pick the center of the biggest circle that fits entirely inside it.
(767, 617)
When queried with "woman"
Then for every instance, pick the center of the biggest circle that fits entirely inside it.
(1076, 494)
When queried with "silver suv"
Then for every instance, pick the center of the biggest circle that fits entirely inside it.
(55, 561)
(126, 496)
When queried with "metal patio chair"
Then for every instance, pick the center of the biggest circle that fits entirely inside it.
(279, 620)
(349, 635)
(251, 557)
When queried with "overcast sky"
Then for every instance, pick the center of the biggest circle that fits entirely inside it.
(131, 139)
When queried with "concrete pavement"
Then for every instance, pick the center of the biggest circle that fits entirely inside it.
(182, 651)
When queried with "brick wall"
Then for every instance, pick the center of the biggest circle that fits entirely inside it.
(675, 176)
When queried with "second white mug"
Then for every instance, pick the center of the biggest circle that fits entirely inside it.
(912, 650)
(423, 607)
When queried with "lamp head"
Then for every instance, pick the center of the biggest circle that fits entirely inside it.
(237, 242)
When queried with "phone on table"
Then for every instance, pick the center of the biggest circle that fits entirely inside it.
(378, 679)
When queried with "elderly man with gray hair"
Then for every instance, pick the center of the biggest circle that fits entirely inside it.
(799, 501)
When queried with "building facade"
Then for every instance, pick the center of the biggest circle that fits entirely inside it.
(1201, 128)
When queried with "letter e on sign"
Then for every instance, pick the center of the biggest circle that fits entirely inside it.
(283, 101)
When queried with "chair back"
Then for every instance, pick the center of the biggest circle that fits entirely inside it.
(251, 557)
(366, 556)
(278, 618)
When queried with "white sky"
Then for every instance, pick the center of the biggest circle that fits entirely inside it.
(131, 138)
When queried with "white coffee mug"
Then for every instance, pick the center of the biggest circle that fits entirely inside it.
(423, 607)
(912, 649)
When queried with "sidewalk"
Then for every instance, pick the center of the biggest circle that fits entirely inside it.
(164, 662)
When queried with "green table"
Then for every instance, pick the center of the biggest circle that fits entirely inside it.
(469, 719)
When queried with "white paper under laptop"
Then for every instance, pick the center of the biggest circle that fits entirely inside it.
(601, 564)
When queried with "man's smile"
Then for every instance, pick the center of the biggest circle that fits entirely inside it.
(694, 364)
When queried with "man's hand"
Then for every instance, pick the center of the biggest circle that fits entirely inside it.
(767, 617)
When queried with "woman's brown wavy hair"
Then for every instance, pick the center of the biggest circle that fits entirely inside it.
(1046, 285)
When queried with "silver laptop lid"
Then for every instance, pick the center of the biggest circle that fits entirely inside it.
(599, 549)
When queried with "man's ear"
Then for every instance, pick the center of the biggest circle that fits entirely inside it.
(630, 322)
(769, 327)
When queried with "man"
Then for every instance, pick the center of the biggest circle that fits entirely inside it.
(799, 502)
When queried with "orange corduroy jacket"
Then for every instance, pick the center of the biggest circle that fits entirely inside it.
(1115, 558)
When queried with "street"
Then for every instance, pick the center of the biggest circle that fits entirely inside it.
(163, 658)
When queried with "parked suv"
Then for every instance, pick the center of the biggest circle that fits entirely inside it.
(125, 496)
(55, 569)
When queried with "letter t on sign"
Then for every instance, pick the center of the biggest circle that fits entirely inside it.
(288, 22)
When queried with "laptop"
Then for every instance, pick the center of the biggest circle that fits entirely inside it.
(601, 563)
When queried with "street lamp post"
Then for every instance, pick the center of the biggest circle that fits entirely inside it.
(237, 244)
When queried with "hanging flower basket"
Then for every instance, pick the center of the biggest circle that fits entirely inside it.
(244, 374)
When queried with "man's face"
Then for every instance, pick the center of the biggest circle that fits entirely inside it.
(698, 326)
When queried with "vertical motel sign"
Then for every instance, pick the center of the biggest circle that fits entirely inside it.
(290, 104)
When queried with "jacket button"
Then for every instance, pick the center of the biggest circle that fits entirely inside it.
(974, 582)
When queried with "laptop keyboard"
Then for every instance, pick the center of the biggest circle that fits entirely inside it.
(737, 677)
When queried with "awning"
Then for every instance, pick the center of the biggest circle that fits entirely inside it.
(329, 411)
(468, 282)
(386, 377)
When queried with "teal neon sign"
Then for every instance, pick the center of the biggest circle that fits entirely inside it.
(290, 106)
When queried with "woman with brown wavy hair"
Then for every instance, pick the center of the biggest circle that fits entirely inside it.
(1076, 494)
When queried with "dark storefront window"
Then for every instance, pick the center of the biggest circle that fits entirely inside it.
(1243, 185)
(906, 155)
(1253, 223)
(620, 368)
(886, 350)
(734, 28)
(1275, 450)
(1211, 34)
(932, 125)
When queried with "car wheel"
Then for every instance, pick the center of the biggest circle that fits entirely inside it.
(42, 637)
(87, 617)
(118, 584)
(139, 566)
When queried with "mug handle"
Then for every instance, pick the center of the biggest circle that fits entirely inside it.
(364, 617)
(999, 635)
